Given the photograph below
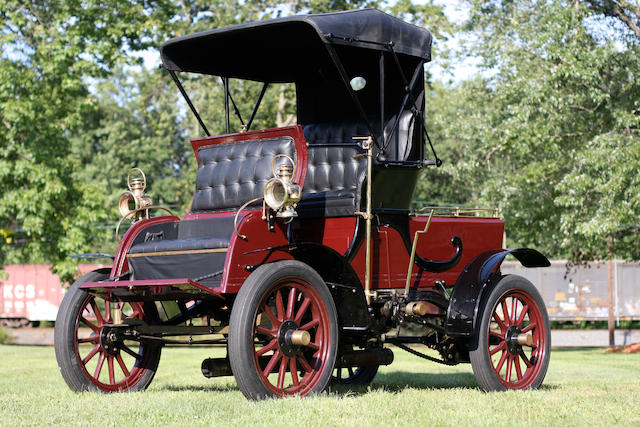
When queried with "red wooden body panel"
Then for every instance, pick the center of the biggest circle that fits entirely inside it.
(390, 257)
(258, 237)
(477, 234)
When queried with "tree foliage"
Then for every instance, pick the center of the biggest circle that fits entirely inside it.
(550, 130)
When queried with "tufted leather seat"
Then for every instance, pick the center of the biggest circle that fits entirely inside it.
(231, 174)
(334, 178)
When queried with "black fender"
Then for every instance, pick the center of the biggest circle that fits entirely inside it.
(473, 283)
(342, 280)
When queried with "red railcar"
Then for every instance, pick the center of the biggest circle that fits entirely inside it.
(31, 293)
(299, 247)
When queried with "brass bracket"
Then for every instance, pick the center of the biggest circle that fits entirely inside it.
(412, 259)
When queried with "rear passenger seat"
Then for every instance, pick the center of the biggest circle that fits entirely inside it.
(333, 183)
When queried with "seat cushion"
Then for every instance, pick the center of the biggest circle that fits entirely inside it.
(190, 244)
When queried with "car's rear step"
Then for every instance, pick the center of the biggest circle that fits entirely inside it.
(152, 290)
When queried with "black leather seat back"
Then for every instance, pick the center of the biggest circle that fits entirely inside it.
(231, 174)
(334, 177)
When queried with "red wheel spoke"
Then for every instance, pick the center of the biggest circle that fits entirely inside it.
(95, 328)
(137, 310)
(503, 358)
(305, 364)
(525, 310)
(93, 338)
(125, 371)
(279, 306)
(112, 375)
(265, 331)
(309, 325)
(496, 334)
(514, 310)
(291, 303)
(497, 349)
(93, 352)
(107, 311)
(314, 346)
(293, 368)
(505, 313)
(272, 363)
(303, 308)
(131, 352)
(509, 365)
(529, 327)
(499, 321)
(516, 361)
(96, 373)
(271, 346)
(282, 371)
(525, 359)
(271, 316)
(96, 312)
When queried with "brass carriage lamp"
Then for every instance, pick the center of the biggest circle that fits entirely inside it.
(280, 193)
(135, 200)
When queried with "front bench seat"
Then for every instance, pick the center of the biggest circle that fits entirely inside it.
(229, 175)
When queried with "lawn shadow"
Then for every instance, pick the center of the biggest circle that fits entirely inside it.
(396, 382)
(209, 387)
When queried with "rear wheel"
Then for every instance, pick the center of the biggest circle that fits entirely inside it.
(513, 337)
(283, 332)
(87, 358)
(354, 376)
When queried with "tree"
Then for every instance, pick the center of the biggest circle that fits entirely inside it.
(550, 131)
(49, 51)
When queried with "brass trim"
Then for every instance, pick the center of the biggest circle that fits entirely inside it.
(457, 211)
(235, 218)
(117, 315)
(147, 208)
(412, 258)
(367, 144)
(525, 339)
(187, 252)
(299, 337)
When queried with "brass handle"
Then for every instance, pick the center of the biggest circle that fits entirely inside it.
(138, 210)
(273, 164)
(235, 219)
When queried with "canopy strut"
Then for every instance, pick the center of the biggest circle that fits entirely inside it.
(186, 98)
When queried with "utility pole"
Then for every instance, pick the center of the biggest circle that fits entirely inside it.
(611, 322)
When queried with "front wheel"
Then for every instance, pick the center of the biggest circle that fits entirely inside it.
(283, 332)
(513, 337)
(87, 358)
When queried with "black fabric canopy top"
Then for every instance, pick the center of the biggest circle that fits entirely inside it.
(291, 48)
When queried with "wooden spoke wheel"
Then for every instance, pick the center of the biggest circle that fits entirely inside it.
(89, 354)
(354, 376)
(283, 332)
(513, 337)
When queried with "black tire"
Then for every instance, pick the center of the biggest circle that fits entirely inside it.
(258, 327)
(499, 363)
(355, 377)
(126, 370)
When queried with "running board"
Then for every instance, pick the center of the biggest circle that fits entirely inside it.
(152, 290)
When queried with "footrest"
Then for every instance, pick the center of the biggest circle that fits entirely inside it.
(152, 290)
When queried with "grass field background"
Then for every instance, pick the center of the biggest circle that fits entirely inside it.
(582, 387)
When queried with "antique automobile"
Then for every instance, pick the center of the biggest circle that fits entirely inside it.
(300, 254)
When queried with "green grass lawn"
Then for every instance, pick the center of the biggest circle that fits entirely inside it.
(582, 387)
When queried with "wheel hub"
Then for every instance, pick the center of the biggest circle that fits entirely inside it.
(109, 340)
(511, 339)
(290, 338)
